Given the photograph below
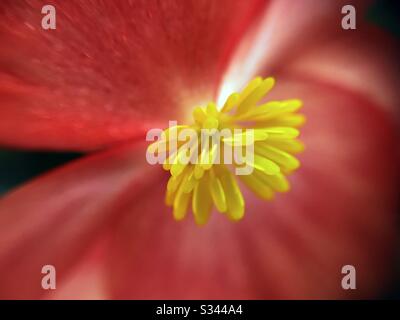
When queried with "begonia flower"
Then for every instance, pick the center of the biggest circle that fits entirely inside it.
(112, 70)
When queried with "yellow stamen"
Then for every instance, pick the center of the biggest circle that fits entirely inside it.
(205, 184)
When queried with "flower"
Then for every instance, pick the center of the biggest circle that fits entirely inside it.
(113, 70)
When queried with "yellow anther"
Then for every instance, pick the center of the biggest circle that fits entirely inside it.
(270, 128)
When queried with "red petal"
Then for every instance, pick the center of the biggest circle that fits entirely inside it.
(111, 69)
(363, 60)
(54, 220)
(287, 30)
(86, 280)
(341, 211)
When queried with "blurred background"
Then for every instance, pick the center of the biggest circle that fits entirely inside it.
(17, 167)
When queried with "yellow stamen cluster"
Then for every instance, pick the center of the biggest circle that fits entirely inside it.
(206, 185)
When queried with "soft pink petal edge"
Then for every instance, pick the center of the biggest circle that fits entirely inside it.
(55, 219)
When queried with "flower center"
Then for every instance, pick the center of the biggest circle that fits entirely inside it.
(262, 137)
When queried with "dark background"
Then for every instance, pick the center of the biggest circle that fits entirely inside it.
(16, 167)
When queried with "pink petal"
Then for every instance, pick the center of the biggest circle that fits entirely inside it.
(341, 211)
(287, 30)
(55, 219)
(111, 69)
(86, 280)
(363, 60)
